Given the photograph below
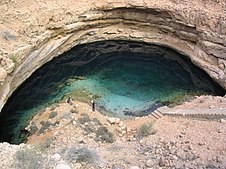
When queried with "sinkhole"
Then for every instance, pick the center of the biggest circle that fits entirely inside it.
(126, 79)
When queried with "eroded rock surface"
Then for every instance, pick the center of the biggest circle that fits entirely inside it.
(32, 33)
(176, 142)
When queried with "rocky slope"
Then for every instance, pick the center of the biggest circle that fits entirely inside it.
(72, 136)
(32, 33)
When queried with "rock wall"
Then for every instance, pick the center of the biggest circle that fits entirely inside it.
(32, 33)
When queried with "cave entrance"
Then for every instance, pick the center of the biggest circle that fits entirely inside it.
(126, 79)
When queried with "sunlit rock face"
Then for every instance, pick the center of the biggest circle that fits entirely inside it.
(196, 29)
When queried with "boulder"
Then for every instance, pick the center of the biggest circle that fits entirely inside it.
(113, 120)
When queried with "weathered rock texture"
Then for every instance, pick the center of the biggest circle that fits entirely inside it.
(33, 32)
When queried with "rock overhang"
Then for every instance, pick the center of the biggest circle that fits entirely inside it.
(187, 32)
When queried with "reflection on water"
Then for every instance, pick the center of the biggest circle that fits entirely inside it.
(125, 78)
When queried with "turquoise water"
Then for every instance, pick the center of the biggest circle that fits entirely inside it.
(134, 87)
(126, 79)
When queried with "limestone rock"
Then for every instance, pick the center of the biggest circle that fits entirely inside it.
(113, 120)
(150, 163)
(162, 162)
(121, 124)
(9, 65)
(56, 157)
(222, 120)
(3, 75)
(215, 49)
(62, 166)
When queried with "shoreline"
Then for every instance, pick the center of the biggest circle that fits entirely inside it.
(174, 142)
(81, 108)
(203, 101)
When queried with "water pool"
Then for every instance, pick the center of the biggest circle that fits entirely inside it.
(126, 79)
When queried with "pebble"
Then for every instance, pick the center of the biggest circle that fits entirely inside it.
(157, 151)
(190, 147)
(220, 131)
(222, 120)
(74, 122)
(162, 162)
(183, 132)
(150, 163)
(174, 158)
(123, 132)
(209, 148)
(202, 143)
(141, 142)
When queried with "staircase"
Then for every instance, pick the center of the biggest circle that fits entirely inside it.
(156, 114)
(216, 113)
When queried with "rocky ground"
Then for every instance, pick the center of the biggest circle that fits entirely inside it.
(72, 136)
(205, 102)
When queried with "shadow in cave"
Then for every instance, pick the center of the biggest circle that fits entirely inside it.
(154, 72)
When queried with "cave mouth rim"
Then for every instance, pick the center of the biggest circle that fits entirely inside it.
(175, 50)
(82, 45)
(139, 41)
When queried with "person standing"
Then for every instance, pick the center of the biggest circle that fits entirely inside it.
(93, 105)
(69, 100)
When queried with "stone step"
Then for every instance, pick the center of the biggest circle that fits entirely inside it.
(163, 109)
(159, 113)
(155, 115)
(199, 112)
